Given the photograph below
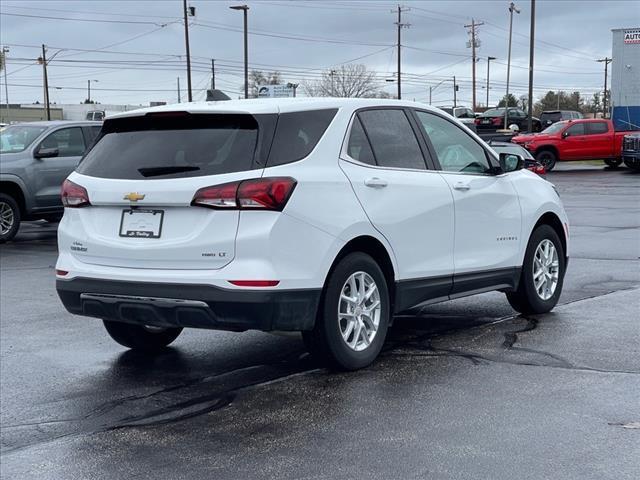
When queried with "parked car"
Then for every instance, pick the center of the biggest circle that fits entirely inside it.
(549, 117)
(325, 216)
(575, 140)
(35, 158)
(464, 114)
(631, 150)
(493, 119)
(530, 163)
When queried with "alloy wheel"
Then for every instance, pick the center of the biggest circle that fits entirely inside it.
(546, 269)
(359, 311)
(6, 218)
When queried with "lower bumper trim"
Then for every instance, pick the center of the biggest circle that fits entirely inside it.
(184, 305)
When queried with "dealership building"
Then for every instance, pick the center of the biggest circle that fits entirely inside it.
(625, 79)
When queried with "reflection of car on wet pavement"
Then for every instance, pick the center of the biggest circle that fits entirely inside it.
(303, 235)
(35, 158)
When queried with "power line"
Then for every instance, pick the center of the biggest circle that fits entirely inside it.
(132, 22)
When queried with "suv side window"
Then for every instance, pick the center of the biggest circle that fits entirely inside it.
(393, 141)
(575, 130)
(297, 134)
(457, 151)
(359, 148)
(68, 141)
(594, 128)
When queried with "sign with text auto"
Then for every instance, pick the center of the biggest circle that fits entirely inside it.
(632, 36)
(275, 91)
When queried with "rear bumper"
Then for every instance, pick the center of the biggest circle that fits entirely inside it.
(188, 305)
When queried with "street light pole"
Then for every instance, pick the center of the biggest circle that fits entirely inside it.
(531, 48)
(488, 64)
(245, 9)
(89, 90)
(512, 8)
(46, 81)
(5, 50)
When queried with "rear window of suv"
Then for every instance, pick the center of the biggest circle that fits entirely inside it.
(177, 145)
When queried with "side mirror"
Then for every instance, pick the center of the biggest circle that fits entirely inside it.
(510, 162)
(46, 153)
(565, 134)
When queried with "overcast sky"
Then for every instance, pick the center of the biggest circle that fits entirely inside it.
(135, 49)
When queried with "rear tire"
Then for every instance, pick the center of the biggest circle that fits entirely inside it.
(9, 218)
(613, 162)
(139, 337)
(537, 292)
(547, 158)
(349, 334)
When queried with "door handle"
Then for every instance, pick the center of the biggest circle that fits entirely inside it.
(375, 182)
(461, 186)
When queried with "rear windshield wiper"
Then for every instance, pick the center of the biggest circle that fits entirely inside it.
(158, 171)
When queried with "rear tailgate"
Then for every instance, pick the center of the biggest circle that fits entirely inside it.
(141, 178)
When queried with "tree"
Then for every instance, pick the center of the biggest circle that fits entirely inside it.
(257, 78)
(351, 80)
(511, 100)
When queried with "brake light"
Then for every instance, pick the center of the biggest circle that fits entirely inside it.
(254, 283)
(496, 120)
(62, 273)
(74, 195)
(270, 193)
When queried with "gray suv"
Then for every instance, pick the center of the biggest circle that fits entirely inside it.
(35, 158)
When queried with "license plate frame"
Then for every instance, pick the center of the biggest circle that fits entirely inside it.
(146, 227)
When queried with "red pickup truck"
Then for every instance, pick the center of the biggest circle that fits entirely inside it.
(584, 139)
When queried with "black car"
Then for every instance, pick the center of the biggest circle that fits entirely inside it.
(493, 119)
(549, 117)
(631, 150)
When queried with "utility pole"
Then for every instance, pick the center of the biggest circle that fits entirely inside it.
(531, 48)
(512, 8)
(399, 45)
(606, 61)
(5, 50)
(333, 89)
(473, 43)
(46, 81)
(213, 74)
(245, 10)
(430, 90)
(179, 100)
(455, 89)
(191, 11)
(488, 64)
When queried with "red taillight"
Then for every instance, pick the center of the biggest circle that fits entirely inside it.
(254, 283)
(496, 120)
(270, 193)
(62, 273)
(73, 195)
(477, 121)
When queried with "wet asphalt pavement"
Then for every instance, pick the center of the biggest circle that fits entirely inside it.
(463, 390)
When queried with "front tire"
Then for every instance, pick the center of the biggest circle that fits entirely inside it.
(542, 274)
(353, 317)
(547, 158)
(141, 337)
(9, 218)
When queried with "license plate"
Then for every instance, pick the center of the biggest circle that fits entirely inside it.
(486, 121)
(138, 223)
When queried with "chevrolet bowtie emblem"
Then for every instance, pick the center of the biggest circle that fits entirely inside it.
(133, 196)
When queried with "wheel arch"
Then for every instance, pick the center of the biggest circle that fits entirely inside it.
(377, 250)
(551, 219)
(15, 191)
(549, 147)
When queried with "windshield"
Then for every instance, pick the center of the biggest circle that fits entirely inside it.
(555, 128)
(16, 138)
(494, 112)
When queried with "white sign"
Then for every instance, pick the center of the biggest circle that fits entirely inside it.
(275, 91)
(632, 36)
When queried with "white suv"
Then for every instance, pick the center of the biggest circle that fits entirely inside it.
(325, 216)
